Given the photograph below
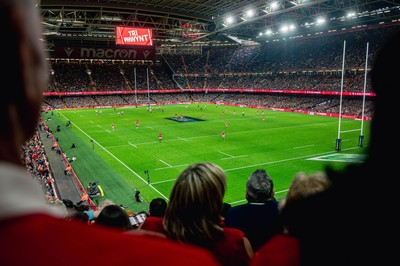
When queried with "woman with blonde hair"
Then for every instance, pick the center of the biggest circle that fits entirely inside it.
(193, 215)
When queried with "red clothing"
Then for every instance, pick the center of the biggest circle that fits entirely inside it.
(280, 250)
(154, 224)
(25, 237)
(229, 250)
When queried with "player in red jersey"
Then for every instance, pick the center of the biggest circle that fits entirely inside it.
(160, 137)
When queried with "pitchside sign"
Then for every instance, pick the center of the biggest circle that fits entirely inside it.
(134, 36)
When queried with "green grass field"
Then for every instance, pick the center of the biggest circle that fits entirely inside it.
(283, 144)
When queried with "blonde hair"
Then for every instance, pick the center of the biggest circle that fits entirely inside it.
(304, 185)
(194, 210)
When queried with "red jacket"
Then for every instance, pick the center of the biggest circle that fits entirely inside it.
(47, 240)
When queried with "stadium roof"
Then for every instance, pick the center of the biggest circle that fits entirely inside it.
(200, 22)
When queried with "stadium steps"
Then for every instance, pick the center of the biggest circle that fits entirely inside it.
(65, 184)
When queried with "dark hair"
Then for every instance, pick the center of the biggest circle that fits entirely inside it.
(115, 217)
(157, 207)
(68, 203)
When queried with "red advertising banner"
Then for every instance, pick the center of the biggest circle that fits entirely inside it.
(134, 36)
(124, 53)
(191, 90)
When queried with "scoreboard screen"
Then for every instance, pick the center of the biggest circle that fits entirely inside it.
(134, 36)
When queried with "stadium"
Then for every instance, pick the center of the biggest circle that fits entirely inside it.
(140, 91)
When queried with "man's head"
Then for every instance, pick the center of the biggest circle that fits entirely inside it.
(157, 207)
(259, 187)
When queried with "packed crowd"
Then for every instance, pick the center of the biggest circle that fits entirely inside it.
(325, 104)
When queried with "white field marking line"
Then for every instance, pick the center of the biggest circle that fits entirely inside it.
(182, 139)
(174, 166)
(226, 154)
(108, 131)
(170, 166)
(129, 144)
(285, 160)
(99, 126)
(132, 144)
(118, 160)
(165, 181)
(90, 121)
(306, 146)
(244, 200)
(144, 143)
(234, 157)
(231, 156)
(150, 127)
(333, 160)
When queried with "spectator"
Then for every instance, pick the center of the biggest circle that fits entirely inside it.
(113, 216)
(24, 213)
(343, 223)
(193, 215)
(157, 207)
(68, 169)
(155, 215)
(70, 160)
(304, 185)
(93, 214)
(69, 204)
(258, 218)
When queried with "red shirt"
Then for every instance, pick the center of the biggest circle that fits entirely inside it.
(31, 233)
(280, 250)
(229, 250)
(153, 223)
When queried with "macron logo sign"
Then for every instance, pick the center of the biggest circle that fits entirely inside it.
(68, 51)
(136, 53)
